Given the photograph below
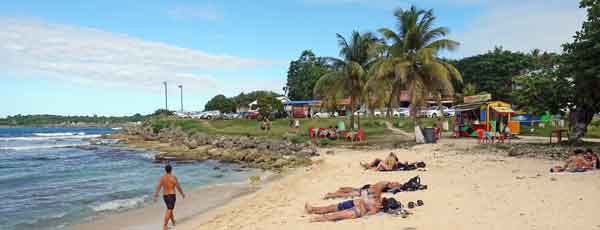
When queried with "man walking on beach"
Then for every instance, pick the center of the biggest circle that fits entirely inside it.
(168, 183)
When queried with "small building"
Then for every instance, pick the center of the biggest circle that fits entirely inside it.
(479, 112)
(303, 108)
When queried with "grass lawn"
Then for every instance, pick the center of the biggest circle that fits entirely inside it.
(373, 127)
(592, 132)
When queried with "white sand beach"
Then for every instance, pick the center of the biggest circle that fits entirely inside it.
(466, 191)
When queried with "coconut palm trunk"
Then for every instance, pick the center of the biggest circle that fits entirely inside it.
(579, 122)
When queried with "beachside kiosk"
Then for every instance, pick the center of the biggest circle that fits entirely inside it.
(480, 112)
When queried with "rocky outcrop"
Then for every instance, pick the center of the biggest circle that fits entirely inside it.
(253, 152)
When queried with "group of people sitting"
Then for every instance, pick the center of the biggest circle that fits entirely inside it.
(330, 133)
(579, 160)
(371, 200)
(333, 133)
(392, 163)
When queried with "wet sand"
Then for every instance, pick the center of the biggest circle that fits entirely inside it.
(196, 202)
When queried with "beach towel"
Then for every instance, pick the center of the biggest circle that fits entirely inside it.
(589, 171)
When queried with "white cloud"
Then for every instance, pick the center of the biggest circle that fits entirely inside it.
(95, 57)
(207, 12)
(522, 26)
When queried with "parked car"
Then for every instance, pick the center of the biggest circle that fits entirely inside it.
(210, 115)
(450, 112)
(229, 116)
(360, 112)
(379, 113)
(299, 112)
(198, 115)
(402, 112)
(324, 114)
(252, 115)
(432, 111)
(384, 112)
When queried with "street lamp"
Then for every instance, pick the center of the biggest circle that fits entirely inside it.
(166, 102)
(181, 91)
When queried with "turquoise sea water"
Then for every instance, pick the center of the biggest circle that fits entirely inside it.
(51, 178)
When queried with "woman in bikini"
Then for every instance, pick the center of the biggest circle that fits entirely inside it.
(367, 190)
(351, 209)
(386, 165)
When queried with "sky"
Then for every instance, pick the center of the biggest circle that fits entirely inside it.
(111, 57)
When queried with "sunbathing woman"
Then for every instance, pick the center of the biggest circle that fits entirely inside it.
(391, 163)
(577, 162)
(366, 190)
(386, 165)
(351, 209)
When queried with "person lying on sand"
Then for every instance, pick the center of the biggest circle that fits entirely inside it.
(391, 163)
(368, 190)
(378, 165)
(578, 161)
(351, 209)
(591, 157)
(365, 191)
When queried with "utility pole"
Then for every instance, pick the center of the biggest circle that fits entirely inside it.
(166, 102)
(181, 90)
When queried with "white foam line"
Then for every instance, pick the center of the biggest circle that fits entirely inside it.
(48, 138)
(21, 148)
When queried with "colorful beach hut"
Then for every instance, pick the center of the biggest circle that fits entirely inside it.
(479, 112)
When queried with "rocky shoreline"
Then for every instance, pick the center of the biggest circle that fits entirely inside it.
(174, 144)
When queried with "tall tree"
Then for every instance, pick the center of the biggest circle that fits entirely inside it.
(582, 65)
(221, 103)
(244, 99)
(494, 71)
(348, 77)
(543, 90)
(303, 74)
(411, 61)
(267, 105)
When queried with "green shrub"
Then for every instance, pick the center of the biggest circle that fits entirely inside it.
(297, 139)
(595, 122)
(159, 125)
(324, 142)
(187, 125)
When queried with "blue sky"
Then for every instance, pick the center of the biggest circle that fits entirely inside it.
(110, 57)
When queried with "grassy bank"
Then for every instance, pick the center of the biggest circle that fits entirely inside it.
(374, 128)
(592, 132)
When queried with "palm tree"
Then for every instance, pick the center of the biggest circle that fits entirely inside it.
(348, 78)
(411, 61)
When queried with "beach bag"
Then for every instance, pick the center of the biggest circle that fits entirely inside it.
(412, 185)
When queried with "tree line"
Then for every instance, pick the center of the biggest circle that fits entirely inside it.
(230, 104)
(42, 120)
(373, 69)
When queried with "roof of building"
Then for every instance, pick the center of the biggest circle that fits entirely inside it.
(303, 102)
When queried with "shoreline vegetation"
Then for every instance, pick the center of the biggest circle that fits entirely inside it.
(57, 121)
(243, 142)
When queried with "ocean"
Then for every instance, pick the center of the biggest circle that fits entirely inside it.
(52, 178)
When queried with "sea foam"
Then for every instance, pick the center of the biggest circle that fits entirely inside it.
(119, 204)
(30, 147)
